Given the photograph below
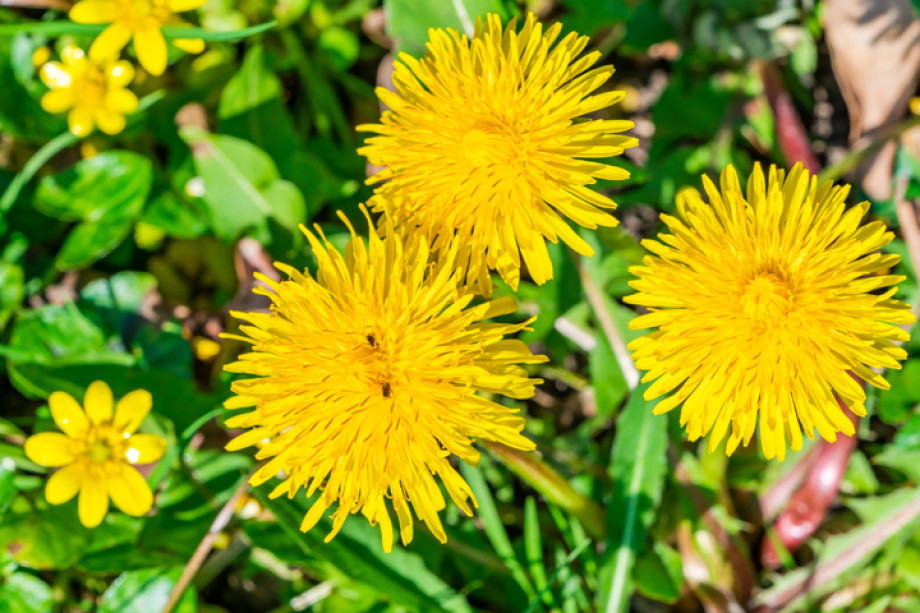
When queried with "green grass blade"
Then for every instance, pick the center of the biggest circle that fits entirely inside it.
(62, 28)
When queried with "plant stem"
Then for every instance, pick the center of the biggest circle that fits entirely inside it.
(35, 163)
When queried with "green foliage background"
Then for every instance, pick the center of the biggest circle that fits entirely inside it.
(113, 266)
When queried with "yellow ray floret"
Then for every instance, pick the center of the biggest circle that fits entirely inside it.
(96, 452)
(140, 20)
(92, 92)
(487, 139)
(366, 382)
(766, 301)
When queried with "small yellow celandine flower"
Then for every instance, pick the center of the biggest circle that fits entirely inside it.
(484, 140)
(367, 381)
(94, 93)
(141, 20)
(96, 452)
(764, 305)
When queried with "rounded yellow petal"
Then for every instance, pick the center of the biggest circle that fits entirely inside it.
(110, 43)
(94, 11)
(57, 100)
(64, 484)
(151, 50)
(68, 414)
(49, 449)
(189, 45)
(120, 74)
(132, 409)
(80, 121)
(72, 55)
(110, 122)
(54, 75)
(98, 402)
(145, 448)
(121, 101)
(130, 492)
(93, 502)
(181, 6)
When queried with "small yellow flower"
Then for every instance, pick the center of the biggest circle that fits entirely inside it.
(484, 140)
(141, 19)
(765, 300)
(93, 92)
(96, 452)
(366, 382)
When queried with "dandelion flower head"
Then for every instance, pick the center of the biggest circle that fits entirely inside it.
(96, 452)
(765, 300)
(366, 382)
(141, 20)
(487, 139)
(93, 92)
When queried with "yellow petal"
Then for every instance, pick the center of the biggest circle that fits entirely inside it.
(64, 484)
(94, 11)
(121, 101)
(80, 121)
(151, 50)
(54, 75)
(110, 122)
(189, 45)
(72, 55)
(131, 410)
(130, 492)
(68, 414)
(98, 402)
(93, 503)
(110, 43)
(57, 100)
(49, 449)
(180, 6)
(120, 74)
(145, 448)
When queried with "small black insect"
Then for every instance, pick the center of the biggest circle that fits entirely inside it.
(386, 390)
(371, 340)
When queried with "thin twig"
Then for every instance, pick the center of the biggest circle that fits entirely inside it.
(596, 299)
(204, 547)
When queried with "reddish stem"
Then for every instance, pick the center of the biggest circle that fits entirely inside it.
(793, 139)
(808, 506)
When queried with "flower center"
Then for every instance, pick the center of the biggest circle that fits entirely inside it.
(98, 452)
(767, 298)
(486, 145)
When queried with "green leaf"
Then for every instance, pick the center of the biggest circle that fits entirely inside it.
(11, 291)
(123, 291)
(400, 577)
(7, 488)
(495, 528)
(24, 593)
(242, 185)
(174, 216)
(408, 20)
(48, 537)
(659, 573)
(106, 193)
(146, 591)
(637, 469)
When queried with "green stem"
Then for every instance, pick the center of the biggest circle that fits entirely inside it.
(835, 171)
(41, 157)
(553, 487)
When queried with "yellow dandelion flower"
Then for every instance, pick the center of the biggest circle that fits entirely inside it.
(367, 381)
(766, 300)
(97, 451)
(485, 140)
(141, 20)
(93, 92)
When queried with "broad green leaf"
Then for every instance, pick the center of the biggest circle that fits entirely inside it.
(111, 184)
(22, 592)
(174, 216)
(7, 488)
(637, 468)
(400, 577)
(658, 573)
(123, 291)
(408, 20)
(242, 185)
(106, 193)
(146, 591)
(47, 537)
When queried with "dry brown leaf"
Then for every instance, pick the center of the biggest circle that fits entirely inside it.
(875, 54)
